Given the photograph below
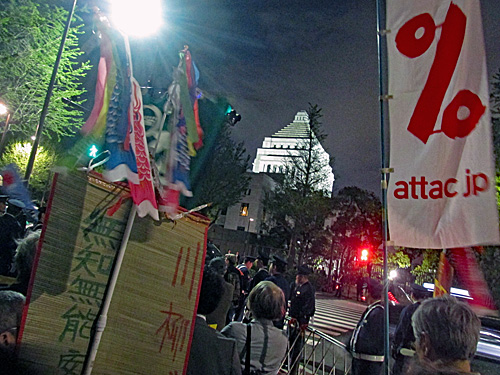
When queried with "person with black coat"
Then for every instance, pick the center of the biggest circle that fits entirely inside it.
(367, 340)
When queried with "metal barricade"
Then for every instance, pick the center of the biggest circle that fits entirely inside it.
(313, 352)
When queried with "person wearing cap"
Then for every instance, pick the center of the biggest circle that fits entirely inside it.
(10, 231)
(404, 340)
(244, 268)
(277, 268)
(262, 273)
(367, 341)
(302, 308)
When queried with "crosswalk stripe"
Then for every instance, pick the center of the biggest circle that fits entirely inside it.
(335, 317)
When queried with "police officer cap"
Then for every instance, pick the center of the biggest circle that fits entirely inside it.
(16, 202)
(3, 198)
(263, 256)
(278, 260)
(250, 258)
(304, 270)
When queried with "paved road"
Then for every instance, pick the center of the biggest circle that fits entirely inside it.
(336, 316)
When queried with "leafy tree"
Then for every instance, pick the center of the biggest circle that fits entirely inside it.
(356, 223)
(299, 204)
(30, 36)
(426, 271)
(218, 172)
(19, 153)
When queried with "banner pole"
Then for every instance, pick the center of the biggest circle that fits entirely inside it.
(382, 68)
(103, 313)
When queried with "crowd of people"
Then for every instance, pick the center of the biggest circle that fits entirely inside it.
(246, 304)
(240, 325)
(433, 336)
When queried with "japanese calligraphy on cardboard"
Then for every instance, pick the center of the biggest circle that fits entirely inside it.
(154, 303)
(75, 259)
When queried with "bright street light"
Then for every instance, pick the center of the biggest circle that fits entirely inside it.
(135, 18)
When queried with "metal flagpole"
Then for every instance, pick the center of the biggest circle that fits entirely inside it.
(39, 128)
(385, 170)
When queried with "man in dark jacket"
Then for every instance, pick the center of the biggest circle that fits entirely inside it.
(302, 308)
(245, 268)
(211, 353)
(404, 340)
(262, 273)
(277, 268)
(367, 341)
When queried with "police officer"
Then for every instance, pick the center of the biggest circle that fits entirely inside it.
(367, 341)
(245, 268)
(277, 268)
(302, 308)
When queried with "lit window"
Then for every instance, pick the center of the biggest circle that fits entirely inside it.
(244, 209)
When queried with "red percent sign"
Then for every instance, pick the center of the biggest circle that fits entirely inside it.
(414, 39)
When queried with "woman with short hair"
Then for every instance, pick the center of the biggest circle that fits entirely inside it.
(446, 333)
(266, 303)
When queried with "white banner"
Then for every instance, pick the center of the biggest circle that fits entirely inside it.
(442, 191)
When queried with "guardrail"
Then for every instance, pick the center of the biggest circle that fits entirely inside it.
(313, 352)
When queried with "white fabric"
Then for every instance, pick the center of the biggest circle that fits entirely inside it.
(441, 164)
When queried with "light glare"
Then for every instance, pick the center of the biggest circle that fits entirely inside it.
(137, 20)
(3, 109)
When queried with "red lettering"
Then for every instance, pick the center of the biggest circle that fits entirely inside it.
(401, 192)
(476, 188)
(437, 191)
(447, 191)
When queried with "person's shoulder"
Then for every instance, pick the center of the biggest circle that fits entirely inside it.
(234, 327)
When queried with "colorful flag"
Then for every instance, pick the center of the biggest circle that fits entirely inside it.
(185, 135)
(118, 117)
(442, 191)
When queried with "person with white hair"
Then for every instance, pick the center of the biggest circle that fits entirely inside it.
(446, 332)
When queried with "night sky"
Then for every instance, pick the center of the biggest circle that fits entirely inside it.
(271, 58)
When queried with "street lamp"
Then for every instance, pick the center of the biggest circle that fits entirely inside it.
(4, 110)
(137, 20)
